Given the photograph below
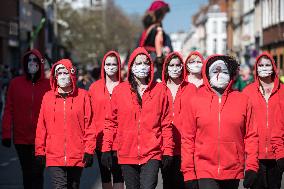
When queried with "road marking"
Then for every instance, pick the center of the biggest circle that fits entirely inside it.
(4, 164)
(10, 161)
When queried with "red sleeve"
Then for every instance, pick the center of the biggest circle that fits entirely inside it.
(251, 140)
(90, 130)
(277, 135)
(167, 127)
(188, 140)
(40, 140)
(111, 123)
(8, 113)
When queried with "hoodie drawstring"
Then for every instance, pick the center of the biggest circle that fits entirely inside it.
(54, 105)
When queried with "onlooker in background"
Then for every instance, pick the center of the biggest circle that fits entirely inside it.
(245, 77)
(20, 117)
(84, 79)
(154, 39)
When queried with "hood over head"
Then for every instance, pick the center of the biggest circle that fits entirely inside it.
(40, 72)
(231, 64)
(115, 54)
(72, 71)
(193, 53)
(275, 73)
(137, 51)
(165, 75)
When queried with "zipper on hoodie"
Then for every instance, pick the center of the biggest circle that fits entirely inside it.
(138, 141)
(65, 159)
(266, 142)
(32, 105)
(219, 125)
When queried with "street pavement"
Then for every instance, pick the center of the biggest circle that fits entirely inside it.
(10, 173)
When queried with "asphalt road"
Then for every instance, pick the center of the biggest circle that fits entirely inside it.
(10, 173)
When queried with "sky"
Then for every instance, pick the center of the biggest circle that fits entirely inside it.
(179, 18)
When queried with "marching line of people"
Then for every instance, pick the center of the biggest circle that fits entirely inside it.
(193, 125)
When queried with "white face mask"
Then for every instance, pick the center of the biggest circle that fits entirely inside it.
(33, 64)
(63, 78)
(175, 68)
(194, 66)
(219, 75)
(111, 66)
(264, 68)
(141, 67)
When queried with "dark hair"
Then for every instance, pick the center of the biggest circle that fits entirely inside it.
(134, 86)
(153, 17)
(167, 63)
(230, 61)
(148, 19)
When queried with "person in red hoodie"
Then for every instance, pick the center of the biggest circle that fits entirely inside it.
(140, 118)
(194, 63)
(173, 77)
(65, 136)
(266, 93)
(218, 134)
(100, 93)
(21, 114)
(277, 137)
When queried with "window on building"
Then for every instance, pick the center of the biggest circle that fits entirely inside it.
(224, 27)
(224, 46)
(214, 27)
(215, 46)
(281, 10)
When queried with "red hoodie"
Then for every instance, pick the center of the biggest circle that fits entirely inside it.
(145, 132)
(100, 98)
(218, 133)
(23, 104)
(64, 131)
(186, 61)
(277, 133)
(184, 89)
(264, 111)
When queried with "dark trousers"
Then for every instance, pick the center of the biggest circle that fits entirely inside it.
(65, 177)
(173, 177)
(141, 176)
(268, 176)
(115, 170)
(218, 184)
(32, 173)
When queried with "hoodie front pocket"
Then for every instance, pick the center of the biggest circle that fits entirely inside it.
(206, 156)
(75, 146)
(128, 144)
(214, 156)
(54, 146)
(229, 156)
